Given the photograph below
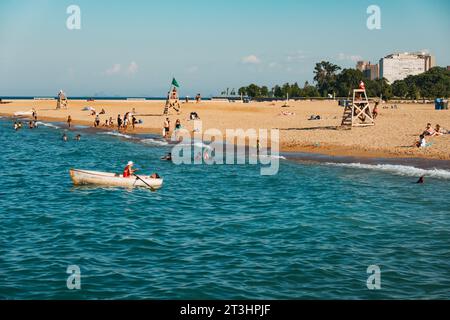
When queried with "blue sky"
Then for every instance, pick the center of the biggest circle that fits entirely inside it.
(133, 48)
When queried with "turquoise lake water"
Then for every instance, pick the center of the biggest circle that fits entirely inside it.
(215, 232)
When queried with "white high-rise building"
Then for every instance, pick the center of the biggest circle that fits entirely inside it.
(398, 66)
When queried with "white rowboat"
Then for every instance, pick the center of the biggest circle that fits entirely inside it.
(83, 177)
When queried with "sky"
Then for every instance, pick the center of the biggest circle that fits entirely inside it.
(134, 48)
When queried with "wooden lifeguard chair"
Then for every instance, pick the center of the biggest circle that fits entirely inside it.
(173, 100)
(358, 113)
(62, 101)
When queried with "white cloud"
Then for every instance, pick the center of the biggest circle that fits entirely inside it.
(296, 56)
(347, 57)
(132, 68)
(251, 59)
(115, 69)
(192, 69)
(273, 64)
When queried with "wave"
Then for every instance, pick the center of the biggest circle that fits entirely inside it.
(195, 144)
(48, 125)
(398, 170)
(117, 134)
(154, 142)
(271, 156)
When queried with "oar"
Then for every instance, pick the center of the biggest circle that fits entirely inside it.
(139, 178)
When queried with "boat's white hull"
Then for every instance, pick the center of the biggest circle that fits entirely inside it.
(83, 177)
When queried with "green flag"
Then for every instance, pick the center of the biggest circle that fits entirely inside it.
(175, 83)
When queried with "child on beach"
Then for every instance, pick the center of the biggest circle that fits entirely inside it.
(69, 121)
(422, 143)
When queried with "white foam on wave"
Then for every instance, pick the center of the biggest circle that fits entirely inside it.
(116, 134)
(398, 170)
(48, 125)
(154, 142)
(200, 145)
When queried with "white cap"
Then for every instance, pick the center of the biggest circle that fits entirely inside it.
(131, 163)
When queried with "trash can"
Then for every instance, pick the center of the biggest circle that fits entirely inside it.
(438, 104)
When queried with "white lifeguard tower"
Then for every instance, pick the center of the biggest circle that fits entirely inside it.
(62, 101)
(358, 113)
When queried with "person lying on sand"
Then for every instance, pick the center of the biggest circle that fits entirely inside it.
(285, 113)
(440, 131)
(429, 131)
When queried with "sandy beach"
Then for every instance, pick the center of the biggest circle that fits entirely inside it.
(394, 134)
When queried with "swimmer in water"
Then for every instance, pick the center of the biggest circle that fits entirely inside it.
(421, 180)
(78, 137)
(64, 138)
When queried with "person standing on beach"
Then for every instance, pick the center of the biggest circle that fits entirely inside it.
(97, 121)
(125, 121)
(166, 127)
(178, 125)
(119, 122)
(69, 121)
(133, 122)
(375, 111)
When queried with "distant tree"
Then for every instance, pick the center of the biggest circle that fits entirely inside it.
(325, 77)
(413, 92)
(400, 89)
(264, 91)
(383, 89)
(253, 91)
(347, 81)
(310, 92)
(277, 92)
